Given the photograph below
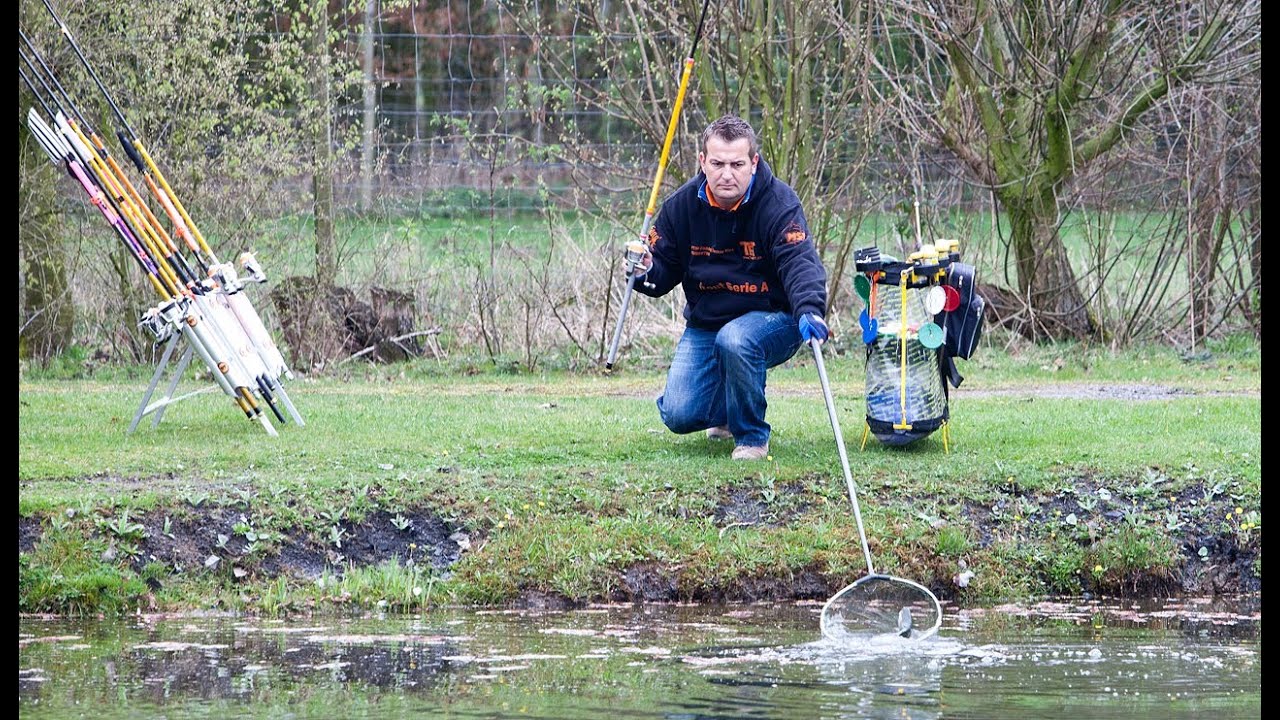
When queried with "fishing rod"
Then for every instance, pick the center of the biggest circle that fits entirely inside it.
(222, 282)
(63, 152)
(31, 85)
(114, 180)
(136, 150)
(60, 154)
(635, 249)
(68, 147)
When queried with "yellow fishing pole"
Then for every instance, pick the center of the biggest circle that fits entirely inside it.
(635, 248)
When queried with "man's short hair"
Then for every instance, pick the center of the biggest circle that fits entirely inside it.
(730, 128)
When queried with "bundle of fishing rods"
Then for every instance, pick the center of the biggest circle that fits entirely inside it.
(201, 299)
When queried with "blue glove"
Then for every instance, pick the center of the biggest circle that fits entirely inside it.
(813, 328)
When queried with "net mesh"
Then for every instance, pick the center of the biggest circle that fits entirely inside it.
(881, 605)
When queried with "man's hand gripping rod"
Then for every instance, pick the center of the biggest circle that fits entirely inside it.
(634, 256)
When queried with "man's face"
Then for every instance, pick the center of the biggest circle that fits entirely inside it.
(728, 165)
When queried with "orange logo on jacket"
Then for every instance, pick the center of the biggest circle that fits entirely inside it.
(794, 234)
(747, 287)
(654, 237)
(749, 251)
(707, 251)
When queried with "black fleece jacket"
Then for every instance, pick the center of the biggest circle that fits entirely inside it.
(731, 262)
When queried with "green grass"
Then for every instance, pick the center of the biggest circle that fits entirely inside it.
(565, 481)
(406, 247)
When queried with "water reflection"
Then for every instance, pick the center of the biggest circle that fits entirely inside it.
(1097, 660)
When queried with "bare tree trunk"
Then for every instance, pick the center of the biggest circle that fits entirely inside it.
(1255, 258)
(1210, 211)
(46, 314)
(322, 146)
(1253, 222)
(370, 108)
(419, 100)
(1046, 280)
(128, 331)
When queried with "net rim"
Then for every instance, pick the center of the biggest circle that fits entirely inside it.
(877, 577)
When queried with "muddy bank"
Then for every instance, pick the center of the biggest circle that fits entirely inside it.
(1046, 542)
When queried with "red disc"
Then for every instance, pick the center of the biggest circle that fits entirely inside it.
(953, 298)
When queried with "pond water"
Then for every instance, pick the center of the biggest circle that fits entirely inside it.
(1068, 659)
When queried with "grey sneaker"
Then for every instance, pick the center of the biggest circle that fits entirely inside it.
(719, 433)
(751, 452)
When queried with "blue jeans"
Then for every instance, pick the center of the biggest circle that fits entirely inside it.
(717, 377)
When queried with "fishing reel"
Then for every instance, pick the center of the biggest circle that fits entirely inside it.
(249, 263)
(163, 320)
(634, 257)
(224, 275)
(156, 325)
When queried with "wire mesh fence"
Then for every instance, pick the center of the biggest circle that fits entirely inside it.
(490, 158)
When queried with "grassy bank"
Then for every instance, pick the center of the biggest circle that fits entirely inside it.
(413, 485)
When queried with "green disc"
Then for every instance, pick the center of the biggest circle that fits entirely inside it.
(862, 286)
(930, 336)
